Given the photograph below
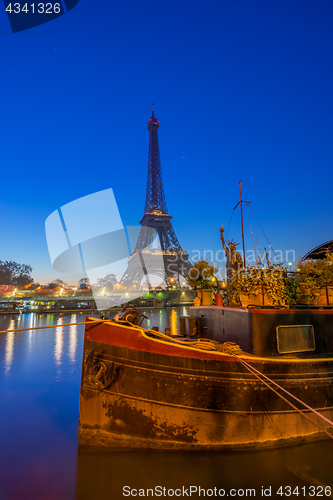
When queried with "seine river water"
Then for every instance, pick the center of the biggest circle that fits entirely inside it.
(39, 458)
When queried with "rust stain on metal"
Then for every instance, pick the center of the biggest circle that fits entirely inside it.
(127, 416)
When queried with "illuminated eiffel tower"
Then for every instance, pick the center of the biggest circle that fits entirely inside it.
(156, 221)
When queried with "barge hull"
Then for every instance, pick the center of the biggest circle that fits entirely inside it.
(164, 396)
(119, 421)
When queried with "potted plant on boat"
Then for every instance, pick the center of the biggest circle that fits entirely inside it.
(316, 280)
(201, 277)
(263, 285)
(292, 290)
(248, 286)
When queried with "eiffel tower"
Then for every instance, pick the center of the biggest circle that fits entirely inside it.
(156, 221)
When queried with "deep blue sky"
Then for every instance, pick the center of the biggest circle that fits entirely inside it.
(242, 89)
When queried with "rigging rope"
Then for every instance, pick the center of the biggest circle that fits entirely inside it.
(248, 205)
(264, 233)
(232, 214)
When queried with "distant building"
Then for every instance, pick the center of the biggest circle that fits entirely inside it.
(320, 251)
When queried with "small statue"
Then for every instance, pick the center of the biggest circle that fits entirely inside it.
(234, 259)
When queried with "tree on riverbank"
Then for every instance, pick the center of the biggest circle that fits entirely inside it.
(84, 284)
(12, 273)
(55, 284)
(107, 282)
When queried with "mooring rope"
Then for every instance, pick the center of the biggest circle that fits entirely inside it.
(209, 345)
(232, 350)
(284, 390)
(51, 326)
(204, 344)
(255, 372)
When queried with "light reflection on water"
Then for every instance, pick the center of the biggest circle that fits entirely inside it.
(58, 341)
(9, 346)
(39, 458)
(173, 322)
(72, 339)
(162, 318)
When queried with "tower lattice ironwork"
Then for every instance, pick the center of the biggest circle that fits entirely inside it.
(156, 220)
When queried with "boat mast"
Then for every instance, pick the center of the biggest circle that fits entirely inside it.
(255, 252)
(241, 207)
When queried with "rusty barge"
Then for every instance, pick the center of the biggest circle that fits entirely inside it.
(238, 378)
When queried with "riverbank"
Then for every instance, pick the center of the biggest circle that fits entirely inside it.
(53, 303)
